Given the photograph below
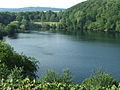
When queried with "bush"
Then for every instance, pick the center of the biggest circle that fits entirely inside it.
(10, 75)
(4, 72)
(11, 59)
(15, 74)
(27, 84)
(66, 77)
(51, 76)
(99, 79)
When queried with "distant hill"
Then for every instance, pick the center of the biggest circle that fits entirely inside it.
(30, 9)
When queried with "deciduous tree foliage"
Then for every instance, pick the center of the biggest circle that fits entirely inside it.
(92, 15)
(10, 59)
(97, 15)
(11, 23)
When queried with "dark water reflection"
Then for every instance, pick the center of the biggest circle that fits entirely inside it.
(81, 52)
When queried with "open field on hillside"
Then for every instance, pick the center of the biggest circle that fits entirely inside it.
(50, 23)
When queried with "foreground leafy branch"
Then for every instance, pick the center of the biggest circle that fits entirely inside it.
(27, 84)
(9, 60)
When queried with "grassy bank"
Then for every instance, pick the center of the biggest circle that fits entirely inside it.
(49, 23)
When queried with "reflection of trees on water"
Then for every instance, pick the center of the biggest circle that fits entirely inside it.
(95, 36)
(14, 36)
(1, 35)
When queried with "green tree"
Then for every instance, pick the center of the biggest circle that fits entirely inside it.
(12, 28)
(99, 78)
(11, 59)
(98, 15)
(4, 72)
(15, 74)
(52, 76)
(118, 26)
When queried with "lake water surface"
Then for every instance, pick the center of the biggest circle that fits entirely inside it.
(81, 53)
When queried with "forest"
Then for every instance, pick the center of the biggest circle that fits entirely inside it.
(91, 15)
(11, 23)
(18, 71)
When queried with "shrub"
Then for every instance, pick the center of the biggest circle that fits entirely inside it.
(66, 77)
(12, 75)
(52, 76)
(3, 71)
(11, 59)
(99, 79)
(15, 74)
(27, 84)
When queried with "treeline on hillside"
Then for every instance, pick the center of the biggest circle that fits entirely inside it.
(91, 15)
(94, 15)
(7, 17)
(11, 23)
(38, 16)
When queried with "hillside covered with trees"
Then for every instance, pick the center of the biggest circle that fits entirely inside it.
(18, 71)
(94, 15)
(11, 22)
(91, 15)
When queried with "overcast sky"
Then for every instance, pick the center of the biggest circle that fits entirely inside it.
(40, 3)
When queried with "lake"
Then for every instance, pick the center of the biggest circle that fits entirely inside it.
(81, 53)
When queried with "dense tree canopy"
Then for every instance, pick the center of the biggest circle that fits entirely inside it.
(9, 60)
(92, 15)
(97, 15)
(11, 23)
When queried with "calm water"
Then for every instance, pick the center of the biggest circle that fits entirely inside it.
(80, 53)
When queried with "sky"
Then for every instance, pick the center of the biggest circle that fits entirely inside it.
(38, 3)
